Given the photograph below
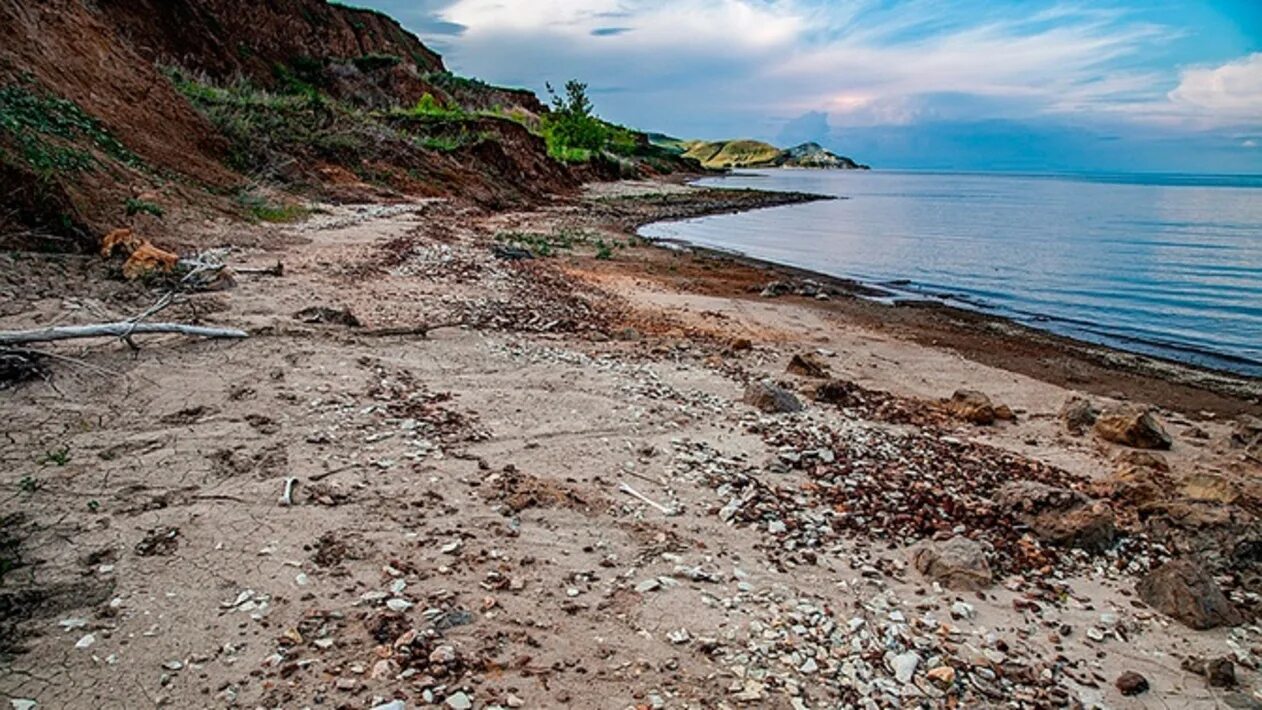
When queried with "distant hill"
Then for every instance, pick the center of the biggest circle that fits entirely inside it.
(719, 155)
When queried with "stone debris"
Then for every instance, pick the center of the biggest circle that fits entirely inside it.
(1132, 426)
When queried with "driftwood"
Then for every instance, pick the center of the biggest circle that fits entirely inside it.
(118, 330)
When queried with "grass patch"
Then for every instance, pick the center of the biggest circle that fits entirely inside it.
(260, 209)
(560, 241)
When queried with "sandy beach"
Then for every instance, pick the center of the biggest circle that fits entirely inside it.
(617, 476)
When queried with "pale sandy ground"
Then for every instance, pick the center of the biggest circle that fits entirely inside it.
(573, 415)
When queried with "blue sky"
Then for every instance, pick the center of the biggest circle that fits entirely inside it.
(1148, 85)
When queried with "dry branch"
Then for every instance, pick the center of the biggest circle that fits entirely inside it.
(118, 330)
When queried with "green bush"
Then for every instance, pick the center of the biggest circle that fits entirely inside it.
(135, 206)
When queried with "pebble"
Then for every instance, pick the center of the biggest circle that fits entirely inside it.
(459, 701)
(85, 641)
(904, 665)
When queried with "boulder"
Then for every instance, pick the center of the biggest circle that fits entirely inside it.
(1142, 459)
(1132, 683)
(1132, 426)
(971, 406)
(841, 393)
(1219, 672)
(808, 365)
(1089, 527)
(1210, 487)
(958, 563)
(1138, 485)
(1078, 415)
(771, 398)
(1247, 433)
(1058, 515)
(1184, 591)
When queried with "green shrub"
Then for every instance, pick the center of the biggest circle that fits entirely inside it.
(135, 206)
(373, 62)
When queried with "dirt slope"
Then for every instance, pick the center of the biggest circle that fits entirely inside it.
(98, 115)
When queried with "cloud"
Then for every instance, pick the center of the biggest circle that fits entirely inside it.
(1233, 89)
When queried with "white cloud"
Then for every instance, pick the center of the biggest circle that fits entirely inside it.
(683, 64)
(1233, 89)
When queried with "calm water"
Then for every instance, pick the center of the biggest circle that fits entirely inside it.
(1167, 265)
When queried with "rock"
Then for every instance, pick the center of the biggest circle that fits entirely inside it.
(513, 701)
(444, 654)
(840, 393)
(1184, 591)
(1078, 415)
(808, 365)
(459, 701)
(904, 666)
(1209, 487)
(23, 704)
(971, 406)
(942, 675)
(1247, 433)
(771, 399)
(328, 316)
(1132, 683)
(1132, 426)
(509, 253)
(1088, 527)
(1241, 701)
(740, 345)
(392, 705)
(1059, 515)
(1220, 672)
(1142, 459)
(958, 563)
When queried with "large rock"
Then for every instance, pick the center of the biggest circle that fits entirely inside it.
(1184, 591)
(1078, 415)
(1132, 426)
(958, 563)
(772, 399)
(972, 406)
(808, 365)
(1058, 515)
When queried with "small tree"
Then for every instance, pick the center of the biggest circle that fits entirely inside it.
(572, 125)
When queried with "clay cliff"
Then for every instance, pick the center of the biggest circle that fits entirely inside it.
(118, 111)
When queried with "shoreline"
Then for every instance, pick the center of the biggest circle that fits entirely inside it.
(543, 481)
(1218, 379)
(988, 338)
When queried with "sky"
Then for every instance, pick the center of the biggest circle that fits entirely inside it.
(1105, 85)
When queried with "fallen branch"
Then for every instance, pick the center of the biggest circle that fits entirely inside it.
(117, 330)
(633, 492)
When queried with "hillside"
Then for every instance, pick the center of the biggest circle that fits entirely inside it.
(721, 155)
(231, 107)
